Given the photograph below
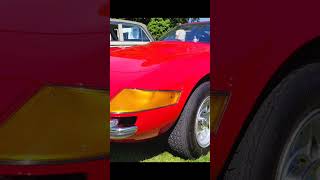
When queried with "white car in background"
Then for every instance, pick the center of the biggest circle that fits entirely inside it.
(124, 33)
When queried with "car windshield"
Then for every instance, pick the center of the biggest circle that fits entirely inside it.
(121, 31)
(189, 33)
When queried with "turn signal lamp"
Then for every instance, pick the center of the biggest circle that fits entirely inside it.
(136, 100)
(219, 102)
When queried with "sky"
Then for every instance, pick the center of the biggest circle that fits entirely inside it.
(203, 19)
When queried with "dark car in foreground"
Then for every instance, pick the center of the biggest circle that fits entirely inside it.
(265, 89)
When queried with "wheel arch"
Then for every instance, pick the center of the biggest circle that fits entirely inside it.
(205, 78)
(307, 53)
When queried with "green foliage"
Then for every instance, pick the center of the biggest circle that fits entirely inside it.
(159, 26)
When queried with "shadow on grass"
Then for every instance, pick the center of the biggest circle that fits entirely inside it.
(155, 150)
(138, 151)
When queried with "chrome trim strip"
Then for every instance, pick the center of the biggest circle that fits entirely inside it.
(122, 132)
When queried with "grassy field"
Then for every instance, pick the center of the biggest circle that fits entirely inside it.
(151, 151)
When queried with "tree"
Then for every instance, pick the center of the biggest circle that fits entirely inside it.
(159, 26)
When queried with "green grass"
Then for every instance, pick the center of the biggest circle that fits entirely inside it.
(168, 157)
(151, 151)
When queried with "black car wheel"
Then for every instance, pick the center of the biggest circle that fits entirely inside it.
(190, 138)
(282, 141)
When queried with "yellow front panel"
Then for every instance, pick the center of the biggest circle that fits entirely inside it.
(135, 100)
(58, 123)
(218, 105)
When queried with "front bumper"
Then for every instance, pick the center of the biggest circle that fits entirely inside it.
(148, 124)
(118, 133)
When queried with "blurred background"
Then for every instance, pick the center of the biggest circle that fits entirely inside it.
(159, 26)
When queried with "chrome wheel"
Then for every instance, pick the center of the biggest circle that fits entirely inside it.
(301, 157)
(202, 124)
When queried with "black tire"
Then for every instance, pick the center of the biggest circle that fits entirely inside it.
(182, 139)
(257, 156)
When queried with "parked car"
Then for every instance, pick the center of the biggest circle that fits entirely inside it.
(124, 33)
(54, 90)
(164, 87)
(266, 84)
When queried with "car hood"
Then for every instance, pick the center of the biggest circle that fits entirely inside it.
(128, 66)
(151, 56)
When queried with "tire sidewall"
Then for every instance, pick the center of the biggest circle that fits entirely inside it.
(258, 154)
(300, 98)
(200, 94)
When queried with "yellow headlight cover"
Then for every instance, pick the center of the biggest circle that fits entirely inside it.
(57, 124)
(136, 100)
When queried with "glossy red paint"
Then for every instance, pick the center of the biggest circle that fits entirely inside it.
(159, 66)
(51, 43)
(252, 41)
(115, 48)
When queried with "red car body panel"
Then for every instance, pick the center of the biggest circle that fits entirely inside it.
(51, 43)
(158, 66)
(115, 48)
(93, 170)
(253, 40)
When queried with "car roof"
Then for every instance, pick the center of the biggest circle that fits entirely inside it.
(134, 22)
(127, 21)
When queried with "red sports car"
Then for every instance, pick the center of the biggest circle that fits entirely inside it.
(266, 90)
(164, 87)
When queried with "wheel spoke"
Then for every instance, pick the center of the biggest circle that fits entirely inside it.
(301, 159)
(315, 149)
(202, 123)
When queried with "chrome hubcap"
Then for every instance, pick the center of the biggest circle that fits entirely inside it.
(301, 158)
(202, 124)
